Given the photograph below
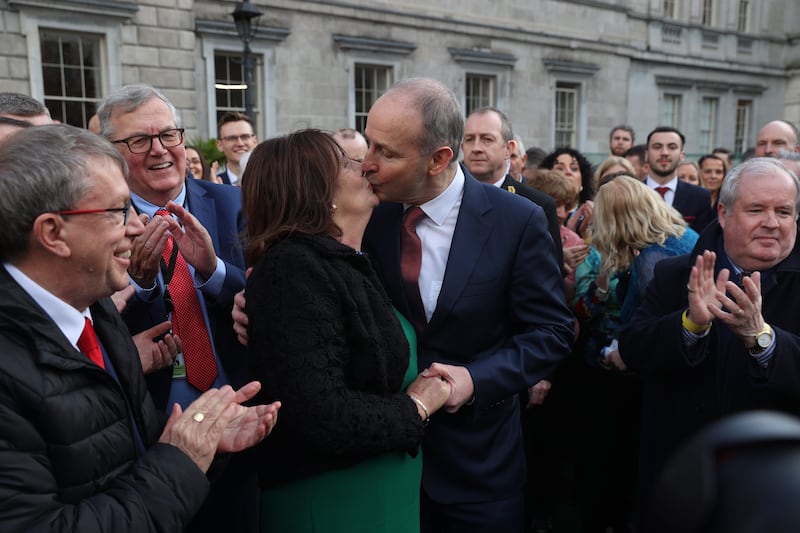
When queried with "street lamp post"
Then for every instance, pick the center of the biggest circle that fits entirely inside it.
(244, 16)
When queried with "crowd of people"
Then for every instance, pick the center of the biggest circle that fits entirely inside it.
(460, 335)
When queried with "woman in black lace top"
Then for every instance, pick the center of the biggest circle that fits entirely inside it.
(325, 340)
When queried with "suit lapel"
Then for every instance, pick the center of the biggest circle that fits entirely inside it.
(473, 228)
(203, 206)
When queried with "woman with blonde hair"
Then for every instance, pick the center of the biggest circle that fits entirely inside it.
(612, 165)
(632, 229)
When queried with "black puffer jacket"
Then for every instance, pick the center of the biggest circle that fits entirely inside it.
(68, 457)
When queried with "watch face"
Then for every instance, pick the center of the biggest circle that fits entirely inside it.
(764, 339)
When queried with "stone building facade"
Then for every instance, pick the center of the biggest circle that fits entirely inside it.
(565, 71)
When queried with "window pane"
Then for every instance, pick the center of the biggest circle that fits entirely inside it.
(671, 110)
(71, 72)
(743, 110)
(744, 12)
(708, 12)
(230, 87)
(708, 123)
(566, 115)
(371, 81)
(481, 91)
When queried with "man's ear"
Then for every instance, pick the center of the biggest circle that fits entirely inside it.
(439, 160)
(49, 233)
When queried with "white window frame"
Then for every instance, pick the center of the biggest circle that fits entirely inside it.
(264, 55)
(709, 122)
(669, 9)
(493, 90)
(742, 126)
(743, 16)
(567, 88)
(109, 30)
(352, 63)
(708, 12)
(675, 116)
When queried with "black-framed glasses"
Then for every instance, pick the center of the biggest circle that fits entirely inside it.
(141, 144)
(244, 137)
(126, 211)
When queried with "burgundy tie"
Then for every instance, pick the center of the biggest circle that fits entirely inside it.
(410, 263)
(88, 344)
(662, 191)
(187, 318)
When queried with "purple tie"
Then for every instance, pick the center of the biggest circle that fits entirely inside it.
(410, 263)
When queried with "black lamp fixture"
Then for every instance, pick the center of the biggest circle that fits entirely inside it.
(245, 16)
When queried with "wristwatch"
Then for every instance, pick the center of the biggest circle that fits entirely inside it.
(763, 338)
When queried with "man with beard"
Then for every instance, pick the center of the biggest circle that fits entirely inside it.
(664, 153)
(620, 140)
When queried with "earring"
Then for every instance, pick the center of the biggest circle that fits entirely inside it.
(333, 208)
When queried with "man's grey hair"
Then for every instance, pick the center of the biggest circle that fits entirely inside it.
(44, 170)
(520, 144)
(21, 105)
(442, 120)
(128, 99)
(759, 167)
(505, 125)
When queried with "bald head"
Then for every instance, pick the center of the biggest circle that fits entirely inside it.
(352, 142)
(776, 136)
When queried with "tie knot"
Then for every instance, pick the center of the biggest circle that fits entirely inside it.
(662, 191)
(163, 212)
(412, 216)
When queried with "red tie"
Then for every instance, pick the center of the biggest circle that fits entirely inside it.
(662, 191)
(410, 263)
(187, 319)
(88, 344)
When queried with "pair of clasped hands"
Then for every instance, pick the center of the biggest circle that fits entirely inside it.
(438, 386)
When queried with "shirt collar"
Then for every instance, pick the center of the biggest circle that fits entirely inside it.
(671, 184)
(68, 319)
(143, 206)
(438, 208)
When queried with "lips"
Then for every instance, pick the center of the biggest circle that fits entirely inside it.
(123, 255)
(161, 166)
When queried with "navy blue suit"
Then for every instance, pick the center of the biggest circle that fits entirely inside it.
(218, 208)
(694, 203)
(233, 502)
(501, 313)
(225, 177)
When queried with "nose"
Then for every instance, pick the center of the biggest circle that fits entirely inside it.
(771, 219)
(135, 227)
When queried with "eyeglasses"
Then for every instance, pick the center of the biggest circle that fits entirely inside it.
(141, 144)
(126, 210)
(349, 161)
(244, 137)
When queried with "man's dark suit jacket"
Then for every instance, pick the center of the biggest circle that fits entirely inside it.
(500, 313)
(694, 203)
(218, 208)
(547, 204)
(681, 396)
(226, 179)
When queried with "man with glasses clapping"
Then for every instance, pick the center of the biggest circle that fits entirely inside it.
(186, 267)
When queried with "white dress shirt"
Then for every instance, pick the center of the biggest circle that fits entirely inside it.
(672, 185)
(435, 232)
(68, 319)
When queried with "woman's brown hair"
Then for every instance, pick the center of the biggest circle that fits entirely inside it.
(287, 188)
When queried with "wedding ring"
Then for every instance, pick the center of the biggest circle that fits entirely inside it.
(198, 417)
(690, 289)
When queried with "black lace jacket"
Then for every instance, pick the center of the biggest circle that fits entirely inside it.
(323, 339)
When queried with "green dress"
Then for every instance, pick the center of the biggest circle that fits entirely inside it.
(378, 495)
